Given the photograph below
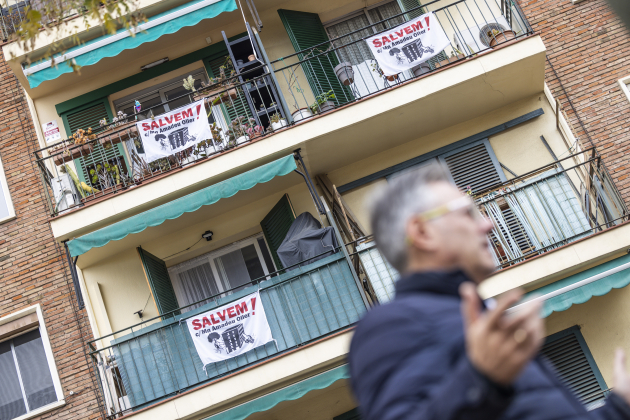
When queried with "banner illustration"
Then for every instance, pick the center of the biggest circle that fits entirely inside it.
(230, 330)
(174, 131)
(409, 44)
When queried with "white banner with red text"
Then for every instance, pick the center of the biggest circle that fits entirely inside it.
(230, 330)
(407, 45)
(174, 131)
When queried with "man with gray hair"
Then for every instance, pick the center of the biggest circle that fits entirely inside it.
(435, 351)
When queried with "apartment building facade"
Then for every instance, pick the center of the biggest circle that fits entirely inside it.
(303, 126)
(45, 369)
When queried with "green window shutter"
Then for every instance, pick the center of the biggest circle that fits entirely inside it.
(568, 353)
(474, 165)
(305, 31)
(85, 117)
(409, 5)
(159, 281)
(240, 106)
(276, 224)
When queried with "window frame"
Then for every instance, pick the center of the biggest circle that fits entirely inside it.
(6, 195)
(52, 366)
(210, 258)
(623, 83)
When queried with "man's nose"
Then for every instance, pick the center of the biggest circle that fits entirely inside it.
(486, 225)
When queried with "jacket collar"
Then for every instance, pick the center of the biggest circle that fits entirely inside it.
(436, 282)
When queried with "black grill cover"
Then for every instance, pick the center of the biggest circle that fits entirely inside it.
(306, 239)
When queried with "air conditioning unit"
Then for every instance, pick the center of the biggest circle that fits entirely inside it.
(475, 39)
(65, 193)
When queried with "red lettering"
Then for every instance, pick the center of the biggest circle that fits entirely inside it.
(407, 30)
(241, 308)
(392, 37)
(214, 321)
(178, 117)
(154, 125)
(188, 113)
(400, 34)
(206, 321)
(427, 21)
(417, 26)
(168, 120)
(231, 312)
(146, 126)
(196, 324)
(161, 123)
(221, 315)
(385, 40)
(377, 43)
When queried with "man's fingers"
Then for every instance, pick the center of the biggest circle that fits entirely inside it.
(513, 321)
(503, 303)
(471, 304)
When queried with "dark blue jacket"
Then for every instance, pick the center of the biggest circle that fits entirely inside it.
(408, 361)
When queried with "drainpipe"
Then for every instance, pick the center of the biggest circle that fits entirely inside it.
(75, 276)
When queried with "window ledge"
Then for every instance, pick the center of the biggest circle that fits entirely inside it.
(42, 410)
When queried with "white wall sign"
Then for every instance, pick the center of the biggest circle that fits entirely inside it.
(174, 131)
(409, 44)
(51, 131)
(230, 330)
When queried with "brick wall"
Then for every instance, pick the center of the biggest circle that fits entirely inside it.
(32, 269)
(589, 49)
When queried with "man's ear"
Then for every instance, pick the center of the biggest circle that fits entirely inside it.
(419, 235)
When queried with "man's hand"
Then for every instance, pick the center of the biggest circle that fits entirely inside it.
(499, 345)
(621, 379)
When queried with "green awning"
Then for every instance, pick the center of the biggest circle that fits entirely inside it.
(186, 204)
(579, 288)
(93, 51)
(292, 392)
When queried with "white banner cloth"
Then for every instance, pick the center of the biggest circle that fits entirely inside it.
(409, 44)
(230, 330)
(174, 131)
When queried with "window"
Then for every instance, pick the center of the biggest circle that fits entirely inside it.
(7, 212)
(30, 384)
(568, 353)
(224, 269)
(623, 83)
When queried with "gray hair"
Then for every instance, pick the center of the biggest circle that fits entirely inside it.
(393, 206)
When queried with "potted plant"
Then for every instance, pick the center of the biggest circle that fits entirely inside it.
(301, 114)
(237, 133)
(323, 102)
(119, 122)
(376, 69)
(254, 130)
(421, 69)
(277, 122)
(455, 56)
(344, 73)
(495, 36)
(221, 89)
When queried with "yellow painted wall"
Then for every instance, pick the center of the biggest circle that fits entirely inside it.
(519, 148)
(604, 324)
(120, 279)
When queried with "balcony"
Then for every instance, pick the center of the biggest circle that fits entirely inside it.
(156, 359)
(290, 91)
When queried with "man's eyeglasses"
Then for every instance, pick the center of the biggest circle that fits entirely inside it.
(461, 203)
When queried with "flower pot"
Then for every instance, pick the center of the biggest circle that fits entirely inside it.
(86, 149)
(421, 69)
(251, 57)
(301, 114)
(278, 125)
(325, 107)
(225, 97)
(392, 78)
(344, 73)
(66, 156)
(242, 139)
(451, 60)
(239, 62)
(502, 37)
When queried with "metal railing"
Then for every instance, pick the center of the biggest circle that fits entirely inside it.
(13, 13)
(157, 358)
(343, 69)
(552, 206)
(114, 160)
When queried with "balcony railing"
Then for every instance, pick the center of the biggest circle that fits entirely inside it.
(550, 207)
(299, 81)
(157, 358)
